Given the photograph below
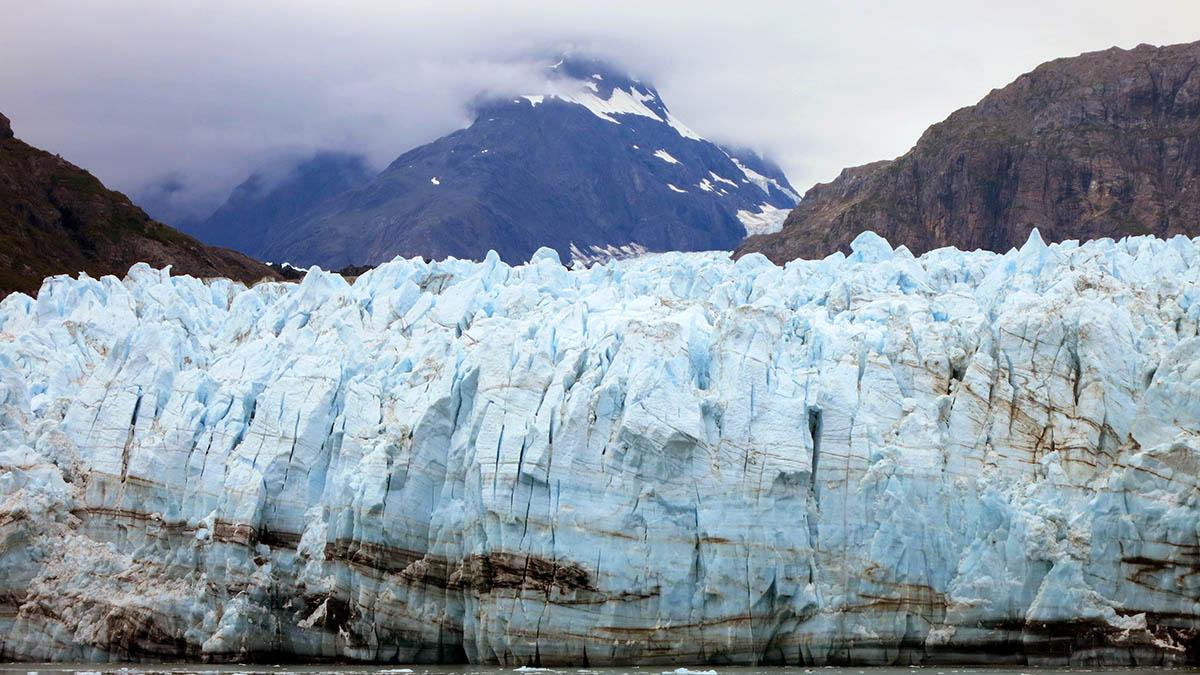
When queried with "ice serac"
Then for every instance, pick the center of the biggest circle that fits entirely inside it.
(676, 458)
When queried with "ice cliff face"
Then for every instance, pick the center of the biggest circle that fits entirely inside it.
(675, 458)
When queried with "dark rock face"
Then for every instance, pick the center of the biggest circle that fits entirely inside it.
(1105, 144)
(261, 204)
(603, 170)
(56, 218)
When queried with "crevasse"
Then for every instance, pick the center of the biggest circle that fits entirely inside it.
(676, 458)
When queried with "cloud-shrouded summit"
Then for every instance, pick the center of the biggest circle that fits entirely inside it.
(182, 101)
(590, 162)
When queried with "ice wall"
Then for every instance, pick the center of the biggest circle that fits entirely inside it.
(671, 459)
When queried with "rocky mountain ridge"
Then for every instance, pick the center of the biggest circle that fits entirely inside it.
(56, 218)
(1105, 144)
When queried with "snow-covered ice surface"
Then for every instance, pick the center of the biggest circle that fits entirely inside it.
(672, 459)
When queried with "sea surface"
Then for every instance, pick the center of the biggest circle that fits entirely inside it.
(258, 669)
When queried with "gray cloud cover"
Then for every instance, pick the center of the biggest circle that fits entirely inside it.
(202, 93)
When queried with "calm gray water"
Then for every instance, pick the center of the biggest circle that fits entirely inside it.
(118, 669)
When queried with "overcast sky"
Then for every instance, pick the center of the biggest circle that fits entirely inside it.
(207, 91)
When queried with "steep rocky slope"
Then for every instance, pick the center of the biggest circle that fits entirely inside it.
(675, 458)
(263, 203)
(56, 218)
(1105, 144)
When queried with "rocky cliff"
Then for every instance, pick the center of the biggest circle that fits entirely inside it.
(1105, 144)
(671, 459)
(56, 218)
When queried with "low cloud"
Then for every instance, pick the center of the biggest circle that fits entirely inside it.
(183, 100)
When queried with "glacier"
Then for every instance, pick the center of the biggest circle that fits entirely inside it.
(669, 459)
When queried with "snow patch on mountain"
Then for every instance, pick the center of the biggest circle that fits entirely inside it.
(766, 220)
(619, 102)
(630, 100)
(602, 254)
(665, 156)
(682, 128)
(721, 179)
(762, 181)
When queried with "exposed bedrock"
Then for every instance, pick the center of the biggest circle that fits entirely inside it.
(671, 459)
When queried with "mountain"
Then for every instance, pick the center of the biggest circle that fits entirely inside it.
(595, 167)
(56, 218)
(674, 459)
(1104, 144)
(263, 202)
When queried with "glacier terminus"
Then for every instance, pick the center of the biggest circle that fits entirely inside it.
(669, 459)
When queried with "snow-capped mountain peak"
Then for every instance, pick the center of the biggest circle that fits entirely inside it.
(606, 93)
(591, 163)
